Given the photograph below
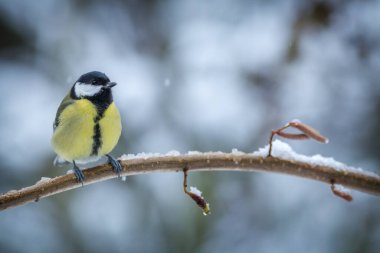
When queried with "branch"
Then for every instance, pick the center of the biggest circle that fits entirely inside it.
(235, 161)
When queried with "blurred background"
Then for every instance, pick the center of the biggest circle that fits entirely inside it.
(193, 75)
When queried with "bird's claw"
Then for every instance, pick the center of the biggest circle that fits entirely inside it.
(115, 165)
(78, 174)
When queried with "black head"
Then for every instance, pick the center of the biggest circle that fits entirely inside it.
(92, 84)
(94, 78)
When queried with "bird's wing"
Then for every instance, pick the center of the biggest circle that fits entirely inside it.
(65, 102)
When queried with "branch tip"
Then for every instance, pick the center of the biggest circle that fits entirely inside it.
(340, 191)
(195, 194)
(307, 132)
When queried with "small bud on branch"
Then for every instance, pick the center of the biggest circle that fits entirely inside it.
(341, 192)
(195, 194)
(293, 136)
(307, 132)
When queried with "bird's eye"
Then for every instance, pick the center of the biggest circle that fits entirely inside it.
(94, 82)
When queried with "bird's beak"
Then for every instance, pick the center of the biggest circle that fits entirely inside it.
(111, 84)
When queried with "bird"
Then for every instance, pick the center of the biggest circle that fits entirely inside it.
(87, 124)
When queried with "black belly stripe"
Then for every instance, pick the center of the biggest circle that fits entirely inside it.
(101, 101)
(97, 138)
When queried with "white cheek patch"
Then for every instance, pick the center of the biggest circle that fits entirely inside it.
(83, 90)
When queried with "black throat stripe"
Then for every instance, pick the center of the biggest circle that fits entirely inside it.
(97, 138)
(101, 102)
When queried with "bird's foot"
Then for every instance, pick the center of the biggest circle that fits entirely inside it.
(78, 174)
(115, 165)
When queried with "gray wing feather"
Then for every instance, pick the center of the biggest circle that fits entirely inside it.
(65, 102)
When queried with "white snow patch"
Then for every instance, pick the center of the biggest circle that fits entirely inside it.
(195, 191)
(124, 178)
(141, 155)
(193, 152)
(173, 153)
(235, 151)
(144, 155)
(283, 150)
(341, 188)
(43, 180)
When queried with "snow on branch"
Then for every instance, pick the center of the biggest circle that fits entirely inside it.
(282, 160)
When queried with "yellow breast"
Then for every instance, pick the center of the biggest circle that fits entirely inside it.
(73, 139)
(110, 129)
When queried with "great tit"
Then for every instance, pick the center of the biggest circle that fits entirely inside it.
(87, 125)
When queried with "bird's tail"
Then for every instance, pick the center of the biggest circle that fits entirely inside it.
(59, 161)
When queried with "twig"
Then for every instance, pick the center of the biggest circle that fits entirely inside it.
(195, 194)
(340, 192)
(358, 180)
(307, 132)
